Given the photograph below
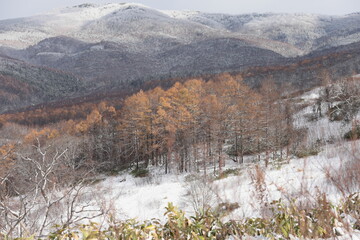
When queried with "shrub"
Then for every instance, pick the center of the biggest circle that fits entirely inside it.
(307, 152)
(226, 173)
(351, 207)
(140, 172)
(337, 113)
(311, 117)
(346, 178)
(92, 181)
(226, 207)
(200, 194)
(287, 221)
(353, 134)
(191, 177)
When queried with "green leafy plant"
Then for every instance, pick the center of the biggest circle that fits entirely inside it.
(287, 221)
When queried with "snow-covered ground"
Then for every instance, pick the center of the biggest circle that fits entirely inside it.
(321, 128)
(146, 198)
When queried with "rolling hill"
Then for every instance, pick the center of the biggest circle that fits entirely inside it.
(122, 46)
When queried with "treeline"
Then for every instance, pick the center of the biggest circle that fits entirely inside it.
(190, 126)
(78, 108)
(184, 128)
(47, 114)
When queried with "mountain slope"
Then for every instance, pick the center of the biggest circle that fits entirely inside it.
(110, 64)
(307, 32)
(308, 71)
(122, 46)
(23, 85)
(135, 24)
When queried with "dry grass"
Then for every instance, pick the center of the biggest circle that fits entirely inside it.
(257, 176)
(346, 179)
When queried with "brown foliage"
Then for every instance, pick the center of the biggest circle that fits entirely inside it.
(167, 126)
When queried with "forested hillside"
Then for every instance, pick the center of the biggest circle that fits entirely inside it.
(120, 121)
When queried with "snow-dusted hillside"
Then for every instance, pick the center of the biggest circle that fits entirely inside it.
(119, 46)
(128, 23)
(307, 32)
(288, 34)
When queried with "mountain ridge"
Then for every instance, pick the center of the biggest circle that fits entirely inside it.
(83, 21)
(123, 46)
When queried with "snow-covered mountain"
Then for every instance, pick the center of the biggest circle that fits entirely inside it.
(307, 32)
(124, 45)
(127, 23)
(135, 23)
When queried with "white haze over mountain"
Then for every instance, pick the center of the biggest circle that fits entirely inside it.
(22, 8)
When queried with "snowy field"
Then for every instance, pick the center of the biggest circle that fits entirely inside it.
(146, 198)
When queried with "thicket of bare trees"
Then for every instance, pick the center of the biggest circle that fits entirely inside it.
(342, 98)
(41, 186)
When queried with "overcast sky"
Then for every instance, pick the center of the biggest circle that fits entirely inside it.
(21, 8)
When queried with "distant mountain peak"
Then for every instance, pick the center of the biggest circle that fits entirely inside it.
(128, 5)
(85, 5)
(131, 24)
(354, 14)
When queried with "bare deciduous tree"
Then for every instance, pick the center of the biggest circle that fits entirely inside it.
(39, 198)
